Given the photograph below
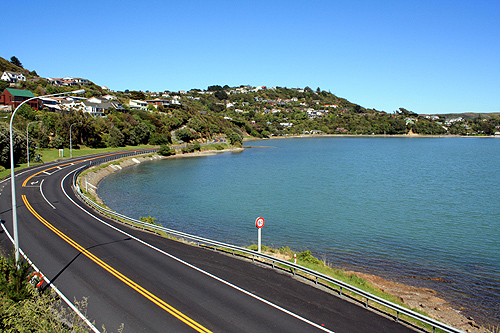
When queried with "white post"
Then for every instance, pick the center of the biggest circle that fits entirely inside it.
(259, 242)
(259, 223)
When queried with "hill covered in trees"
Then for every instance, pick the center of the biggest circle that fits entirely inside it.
(200, 115)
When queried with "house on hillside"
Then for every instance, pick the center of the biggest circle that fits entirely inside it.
(13, 77)
(13, 97)
(137, 104)
(96, 109)
(68, 81)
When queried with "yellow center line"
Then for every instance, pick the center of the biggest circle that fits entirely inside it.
(73, 162)
(174, 312)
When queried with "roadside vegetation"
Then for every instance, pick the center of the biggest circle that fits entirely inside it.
(25, 308)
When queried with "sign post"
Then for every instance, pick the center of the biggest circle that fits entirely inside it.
(259, 223)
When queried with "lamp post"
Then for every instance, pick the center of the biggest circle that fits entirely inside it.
(28, 141)
(70, 143)
(12, 179)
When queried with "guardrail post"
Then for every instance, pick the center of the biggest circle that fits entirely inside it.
(340, 291)
(366, 304)
(397, 316)
(316, 280)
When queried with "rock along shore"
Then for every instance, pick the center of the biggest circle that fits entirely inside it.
(424, 299)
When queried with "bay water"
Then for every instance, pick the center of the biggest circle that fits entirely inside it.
(421, 211)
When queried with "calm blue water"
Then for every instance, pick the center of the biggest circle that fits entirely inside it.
(408, 209)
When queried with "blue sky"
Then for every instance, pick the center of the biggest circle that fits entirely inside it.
(426, 56)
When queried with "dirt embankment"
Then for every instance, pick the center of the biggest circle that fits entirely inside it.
(426, 300)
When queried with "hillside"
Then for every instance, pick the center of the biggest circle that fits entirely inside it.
(6, 65)
(195, 116)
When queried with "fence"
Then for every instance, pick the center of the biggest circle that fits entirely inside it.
(273, 261)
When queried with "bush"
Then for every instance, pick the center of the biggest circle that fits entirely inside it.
(307, 257)
(166, 151)
(191, 148)
(14, 279)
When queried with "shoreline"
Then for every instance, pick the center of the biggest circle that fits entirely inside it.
(420, 298)
(302, 136)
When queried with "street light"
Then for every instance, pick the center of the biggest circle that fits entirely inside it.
(70, 143)
(28, 141)
(12, 179)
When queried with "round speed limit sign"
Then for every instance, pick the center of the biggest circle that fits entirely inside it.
(259, 223)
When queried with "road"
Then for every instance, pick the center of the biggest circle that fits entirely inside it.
(152, 284)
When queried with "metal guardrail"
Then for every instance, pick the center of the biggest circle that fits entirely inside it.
(200, 241)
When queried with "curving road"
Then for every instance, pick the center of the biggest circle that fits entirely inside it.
(151, 284)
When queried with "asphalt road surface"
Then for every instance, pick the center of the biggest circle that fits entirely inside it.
(152, 284)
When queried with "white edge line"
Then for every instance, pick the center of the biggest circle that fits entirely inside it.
(194, 267)
(66, 300)
(41, 191)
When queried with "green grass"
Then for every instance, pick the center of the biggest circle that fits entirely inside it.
(49, 155)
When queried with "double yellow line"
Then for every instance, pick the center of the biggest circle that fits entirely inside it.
(171, 310)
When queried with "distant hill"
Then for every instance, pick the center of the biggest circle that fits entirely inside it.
(469, 115)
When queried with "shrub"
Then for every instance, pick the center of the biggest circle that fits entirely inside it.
(14, 279)
(166, 151)
(307, 257)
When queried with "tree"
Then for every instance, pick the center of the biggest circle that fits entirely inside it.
(137, 95)
(185, 134)
(16, 61)
(220, 94)
(19, 143)
(166, 151)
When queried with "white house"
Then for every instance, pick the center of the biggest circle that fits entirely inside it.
(13, 77)
(137, 104)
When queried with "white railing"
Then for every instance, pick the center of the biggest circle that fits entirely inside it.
(294, 268)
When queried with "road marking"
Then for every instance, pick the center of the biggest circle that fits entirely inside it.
(194, 267)
(41, 191)
(73, 162)
(162, 304)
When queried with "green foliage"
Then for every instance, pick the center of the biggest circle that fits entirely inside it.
(166, 151)
(14, 279)
(221, 95)
(149, 219)
(18, 142)
(307, 257)
(190, 148)
(234, 137)
(185, 134)
(137, 95)
(3, 85)
(16, 61)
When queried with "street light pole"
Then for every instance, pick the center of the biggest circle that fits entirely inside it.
(28, 141)
(70, 143)
(12, 178)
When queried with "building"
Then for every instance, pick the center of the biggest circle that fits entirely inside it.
(13, 77)
(13, 97)
(68, 81)
(137, 104)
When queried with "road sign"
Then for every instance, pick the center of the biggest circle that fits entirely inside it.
(259, 223)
